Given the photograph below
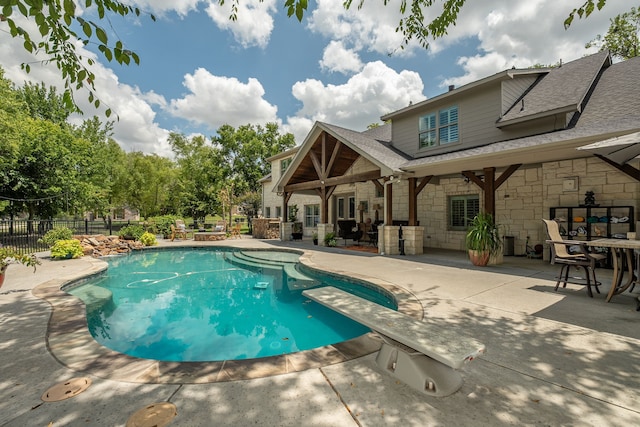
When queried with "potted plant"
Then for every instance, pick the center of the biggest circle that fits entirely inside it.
(293, 213)
(315, 238)
(11, 256)
(296, 231)
(131, 232)
(330, 239)
(483, 239)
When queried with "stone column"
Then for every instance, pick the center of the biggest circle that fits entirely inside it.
(286, 228)
(390, 242)
(413, 240)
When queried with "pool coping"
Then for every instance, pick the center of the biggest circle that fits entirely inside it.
(71, 344)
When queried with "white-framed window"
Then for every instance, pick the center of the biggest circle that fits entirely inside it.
(352, 207)
(427, 128)
(438, 129)
(278, 211)
(267, 212)
(284, 164)
(462, 210)
(340, 202)
(311, 215)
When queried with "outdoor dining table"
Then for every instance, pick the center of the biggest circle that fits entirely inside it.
(623, 257)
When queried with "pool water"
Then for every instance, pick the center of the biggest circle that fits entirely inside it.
(213, 304)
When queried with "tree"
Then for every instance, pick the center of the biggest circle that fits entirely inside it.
(148, 184)
(241, 155)
(45, 104)
(106, 167)
(45, 177)
(56, 20)
(623, 37)
(196, 181)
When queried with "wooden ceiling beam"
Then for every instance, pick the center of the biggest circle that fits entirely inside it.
(625, 168)
(345, 179)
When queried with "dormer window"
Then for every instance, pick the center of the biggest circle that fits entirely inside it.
(438, 129)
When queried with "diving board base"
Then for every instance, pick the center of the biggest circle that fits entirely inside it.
(418, 371)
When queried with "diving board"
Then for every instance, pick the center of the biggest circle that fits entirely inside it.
(422, 355)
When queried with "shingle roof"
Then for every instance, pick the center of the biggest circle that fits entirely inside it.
(617, 95)
(613, 108)
(562, 89)
(377, 151)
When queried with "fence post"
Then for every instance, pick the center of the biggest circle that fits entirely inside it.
(110, 229)
(86, 226)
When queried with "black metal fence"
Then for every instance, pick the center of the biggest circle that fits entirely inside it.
(24, 235)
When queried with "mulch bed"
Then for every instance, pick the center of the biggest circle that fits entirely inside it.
(362, 248)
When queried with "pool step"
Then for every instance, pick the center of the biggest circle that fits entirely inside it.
(251, 259)
(240, 259)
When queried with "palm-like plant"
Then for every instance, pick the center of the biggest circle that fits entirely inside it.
(483, 237)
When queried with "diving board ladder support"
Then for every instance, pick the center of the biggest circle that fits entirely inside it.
(418, 371)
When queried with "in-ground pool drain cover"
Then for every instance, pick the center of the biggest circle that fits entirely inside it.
(154, 415)
(67, 389)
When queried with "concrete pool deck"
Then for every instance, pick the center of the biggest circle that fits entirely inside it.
(553, 358)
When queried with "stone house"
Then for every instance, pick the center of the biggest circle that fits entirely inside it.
(308, 206)
(508, 144)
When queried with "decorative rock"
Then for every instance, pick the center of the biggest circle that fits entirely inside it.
(100, 245)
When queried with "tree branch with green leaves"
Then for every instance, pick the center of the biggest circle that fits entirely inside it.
(56, 39)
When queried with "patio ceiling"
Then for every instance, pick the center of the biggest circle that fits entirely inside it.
(325, 164)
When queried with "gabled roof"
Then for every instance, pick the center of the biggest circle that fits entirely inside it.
(375, 150)
(611, 109)
(562, 90)
(372, 144)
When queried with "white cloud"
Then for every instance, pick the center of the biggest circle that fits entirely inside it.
(217, 100)
(254, 24)
(507, 33)
(522, 34)
(371, 28)
(375, 91)
(160, 7)
(337, 58)
(135, 130)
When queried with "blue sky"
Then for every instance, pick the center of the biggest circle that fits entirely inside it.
(199, 71)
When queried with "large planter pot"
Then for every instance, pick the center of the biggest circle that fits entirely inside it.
(2, 271)
(480, 259)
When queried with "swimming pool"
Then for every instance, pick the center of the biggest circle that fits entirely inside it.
(211, 304)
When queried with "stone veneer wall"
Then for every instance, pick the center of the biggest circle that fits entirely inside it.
(525, 198)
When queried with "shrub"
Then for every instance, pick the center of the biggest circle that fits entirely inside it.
(162, 224)
(135, 231)
(57, 233)
(63, 249)
(148, 239)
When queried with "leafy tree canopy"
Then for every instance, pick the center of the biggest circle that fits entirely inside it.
(623, 37)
